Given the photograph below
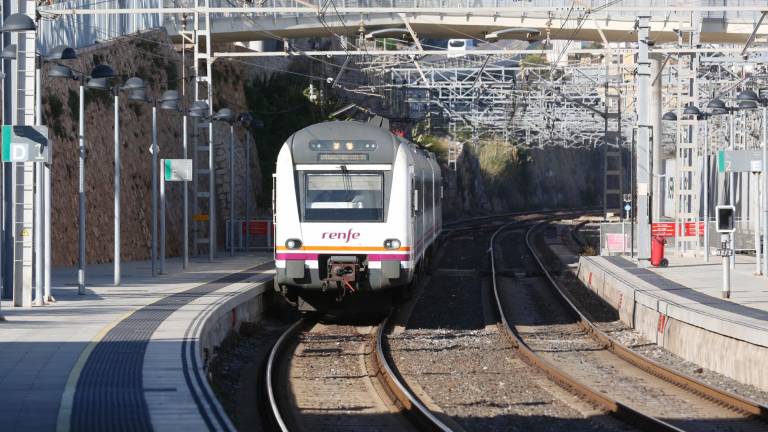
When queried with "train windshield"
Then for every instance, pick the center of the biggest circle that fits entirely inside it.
(343, 196)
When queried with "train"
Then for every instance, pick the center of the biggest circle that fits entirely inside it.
(357, 212)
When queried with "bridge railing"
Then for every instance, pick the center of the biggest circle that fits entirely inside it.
(84, 30)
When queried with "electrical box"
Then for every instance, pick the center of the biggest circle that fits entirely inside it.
(725, 218)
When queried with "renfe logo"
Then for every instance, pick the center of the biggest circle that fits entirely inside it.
(346, 236)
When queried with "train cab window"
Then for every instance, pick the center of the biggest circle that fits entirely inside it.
(343, 196)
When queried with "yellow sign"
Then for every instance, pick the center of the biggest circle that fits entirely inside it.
(200, 217)
(26, 232)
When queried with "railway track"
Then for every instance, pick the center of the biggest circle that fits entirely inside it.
(331, 377)
(338, 377)
(549, 332)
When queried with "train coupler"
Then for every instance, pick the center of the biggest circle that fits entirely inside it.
(343, 272)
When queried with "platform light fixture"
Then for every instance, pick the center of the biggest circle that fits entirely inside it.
(169, 101)
(58, 53)
(692, 110)
(18, 22)
(132, 86)
(226, 115)
(9, 52)
(748, 99)
(99, 71)
(669, 116)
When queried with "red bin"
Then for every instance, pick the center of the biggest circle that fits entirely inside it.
(657, 252)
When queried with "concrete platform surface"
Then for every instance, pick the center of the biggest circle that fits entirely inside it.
(80, 363)
(680, 308)
(693, 284)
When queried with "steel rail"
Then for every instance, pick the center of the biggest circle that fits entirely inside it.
(274, 356)
(419, 413)
(619, 409)
(402, 396)
(680, 379)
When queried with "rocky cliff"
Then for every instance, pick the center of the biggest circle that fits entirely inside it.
(498, 177)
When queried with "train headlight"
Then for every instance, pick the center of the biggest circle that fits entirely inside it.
(392, 244)
(293, 243)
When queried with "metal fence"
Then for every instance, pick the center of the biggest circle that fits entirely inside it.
(616, 238)
(259, 236)
(744, 236)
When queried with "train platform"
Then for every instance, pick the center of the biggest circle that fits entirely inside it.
(681, 308)
(130, 357)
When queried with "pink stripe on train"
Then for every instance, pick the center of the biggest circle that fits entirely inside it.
(371, 257)
(296, 256)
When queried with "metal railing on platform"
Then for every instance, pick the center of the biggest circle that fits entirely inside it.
(616, 237)
(256, 235)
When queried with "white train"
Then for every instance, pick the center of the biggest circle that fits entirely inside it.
(357, 210)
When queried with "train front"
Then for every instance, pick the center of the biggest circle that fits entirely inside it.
(341, 232)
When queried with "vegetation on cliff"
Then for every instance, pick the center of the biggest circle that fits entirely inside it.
(279, 101)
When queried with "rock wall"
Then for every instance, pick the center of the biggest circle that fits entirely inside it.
(152, 57)
(552, 177)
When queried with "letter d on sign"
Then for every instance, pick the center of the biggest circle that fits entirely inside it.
(18, 152)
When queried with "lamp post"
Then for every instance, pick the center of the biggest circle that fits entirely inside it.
(749, 100)
(246, 119)
(226, 115)
(248, 122)
(100, 71)
(140, 95)
(132, 84)
(169, 101)
(43, 217)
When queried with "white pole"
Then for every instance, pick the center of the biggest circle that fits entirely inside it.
(47, 232)
(247, 199)
(706, 190)
(232, 189)
(38, 206)
(38, 233)
(211, 197)
(162, 219)
(81, 195)
(756, 212)
(117, 190)
(732, 187)
(155, 150)
(185, 261)
(726, 266)
(764, 182)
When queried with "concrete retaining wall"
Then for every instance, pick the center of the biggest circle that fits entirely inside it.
(734, 349)
(244, 305)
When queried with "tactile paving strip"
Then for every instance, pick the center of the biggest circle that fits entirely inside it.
(110, 393)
